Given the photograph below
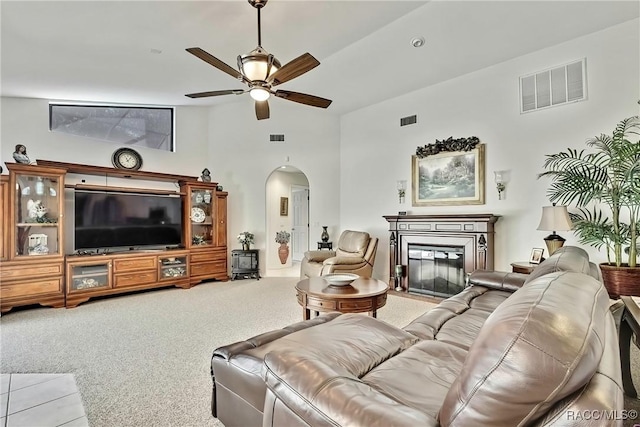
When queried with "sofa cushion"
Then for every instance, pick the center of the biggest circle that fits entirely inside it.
(567, 258)
(458, 319)
(533, 341)
(404, 376)
(352, 243)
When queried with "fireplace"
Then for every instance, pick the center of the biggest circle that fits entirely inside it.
(436, 252)
(435, 270)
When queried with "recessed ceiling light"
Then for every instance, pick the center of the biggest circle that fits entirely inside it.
(417, 41)
(156, 51)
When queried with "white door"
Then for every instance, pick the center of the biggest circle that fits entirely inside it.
(300, 231)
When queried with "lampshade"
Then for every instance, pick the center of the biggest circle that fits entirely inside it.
(555, 218)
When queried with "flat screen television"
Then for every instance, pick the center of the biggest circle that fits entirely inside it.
(107, 220)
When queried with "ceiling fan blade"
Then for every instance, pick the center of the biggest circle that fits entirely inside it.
(210, 59)
(216, 93)
(303, 98)
(262, 110)
(294, 68)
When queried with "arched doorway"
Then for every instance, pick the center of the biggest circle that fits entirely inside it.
(287, 209)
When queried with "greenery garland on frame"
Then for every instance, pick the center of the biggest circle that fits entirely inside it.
(449, 144)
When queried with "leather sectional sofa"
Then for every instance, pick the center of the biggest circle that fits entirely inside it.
(509, 350)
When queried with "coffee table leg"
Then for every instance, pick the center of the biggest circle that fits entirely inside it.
(374, 313)
(625, 356)
(306, 313)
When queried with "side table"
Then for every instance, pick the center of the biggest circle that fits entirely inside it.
(523, 267)
(325, 245)
(629, 326)
(245, 264)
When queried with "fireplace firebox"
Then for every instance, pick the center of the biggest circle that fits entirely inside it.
(432, 254)
(435, 270)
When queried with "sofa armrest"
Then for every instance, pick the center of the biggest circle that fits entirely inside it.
(343, 260)
(497, 279)
(318, 256)
(320, 394)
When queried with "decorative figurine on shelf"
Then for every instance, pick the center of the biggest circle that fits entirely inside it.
(35, 209)
(206, 175)
(20, 155)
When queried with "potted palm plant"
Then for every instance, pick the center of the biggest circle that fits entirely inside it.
(604, 185)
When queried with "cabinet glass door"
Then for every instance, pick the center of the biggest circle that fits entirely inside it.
(173, 267)
(87, 277)
(37, 215)
(202, 217)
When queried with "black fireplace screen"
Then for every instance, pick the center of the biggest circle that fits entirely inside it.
(436, 270)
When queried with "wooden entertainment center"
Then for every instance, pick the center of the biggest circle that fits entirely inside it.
(34, 268)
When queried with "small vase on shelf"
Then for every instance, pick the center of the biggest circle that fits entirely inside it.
(325, 234)
(245, 246)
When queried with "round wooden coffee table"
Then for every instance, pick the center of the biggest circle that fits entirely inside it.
(362, 295)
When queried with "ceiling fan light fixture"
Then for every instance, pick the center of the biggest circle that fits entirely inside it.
(259, 93)
(258, 65)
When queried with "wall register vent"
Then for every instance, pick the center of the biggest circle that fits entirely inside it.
(409, 120)
(555, 86)
(279, 137)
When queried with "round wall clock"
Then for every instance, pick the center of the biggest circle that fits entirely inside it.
(126, 158)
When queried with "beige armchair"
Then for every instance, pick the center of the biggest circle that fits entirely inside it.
(355, 253)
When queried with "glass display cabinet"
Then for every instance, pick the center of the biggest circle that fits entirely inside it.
(32, 268)
(205, 213)
(38, 207)
(201, 215)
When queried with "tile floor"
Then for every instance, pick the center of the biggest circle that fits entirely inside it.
(40, 400)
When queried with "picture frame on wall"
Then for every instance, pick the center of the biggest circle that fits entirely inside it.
(449, 177)
(284, 206)
(536, 256)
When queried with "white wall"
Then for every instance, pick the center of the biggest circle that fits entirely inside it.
(376, 152)
(353, 162)
(242, 158)
(26, 121)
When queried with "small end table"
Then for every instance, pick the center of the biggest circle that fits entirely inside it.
(523, 267)
(244, 264)
(629, 326)
(325, 245)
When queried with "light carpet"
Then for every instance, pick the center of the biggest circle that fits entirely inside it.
(144, 359)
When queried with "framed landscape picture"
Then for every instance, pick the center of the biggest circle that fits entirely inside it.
(449, 178)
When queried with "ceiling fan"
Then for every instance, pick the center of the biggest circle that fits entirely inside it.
(261, 71)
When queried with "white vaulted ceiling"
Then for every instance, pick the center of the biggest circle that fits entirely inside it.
(134, 51)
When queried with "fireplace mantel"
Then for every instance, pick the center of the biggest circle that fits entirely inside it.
(473, 232)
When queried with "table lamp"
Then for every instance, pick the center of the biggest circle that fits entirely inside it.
(554, 218)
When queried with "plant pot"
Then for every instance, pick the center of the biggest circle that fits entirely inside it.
(623, 280)
(283, 253)
(245, 246)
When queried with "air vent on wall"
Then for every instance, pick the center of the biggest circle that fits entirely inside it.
(409, 120)
(279, 137)
(555, 86)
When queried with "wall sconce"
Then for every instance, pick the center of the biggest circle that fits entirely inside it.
(554, 218)
(402, 187)
(502, 178)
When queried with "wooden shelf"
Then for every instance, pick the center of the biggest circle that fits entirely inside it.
(115, 173)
